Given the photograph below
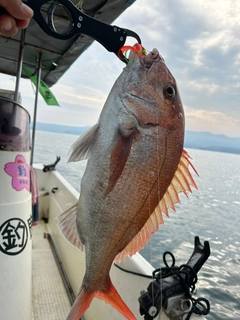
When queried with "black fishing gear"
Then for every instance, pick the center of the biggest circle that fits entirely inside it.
(173, 286)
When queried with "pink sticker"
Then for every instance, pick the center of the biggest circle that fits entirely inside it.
(20, 173)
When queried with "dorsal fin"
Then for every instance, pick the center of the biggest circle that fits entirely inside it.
(82, 147)
(181, 182)
(68, 227)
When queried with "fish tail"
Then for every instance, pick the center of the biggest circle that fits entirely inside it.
(111, 296)
(81, 304)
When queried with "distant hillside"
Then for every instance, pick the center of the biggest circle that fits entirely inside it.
(210, 141)
(60, 128)
(193, 139)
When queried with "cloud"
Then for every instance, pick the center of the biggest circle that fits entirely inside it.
(211, 121)
(200, 43)
(80, 95)
(70, 114)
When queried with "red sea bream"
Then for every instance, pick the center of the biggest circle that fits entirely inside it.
(136, 168)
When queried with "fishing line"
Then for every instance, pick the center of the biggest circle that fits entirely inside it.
(33, 88)
(158, 182)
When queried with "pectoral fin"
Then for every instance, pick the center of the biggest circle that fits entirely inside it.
(81, 149)
(120, 154)
(181, 182)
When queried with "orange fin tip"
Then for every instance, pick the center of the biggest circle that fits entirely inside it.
(80, 305)
(111, 296)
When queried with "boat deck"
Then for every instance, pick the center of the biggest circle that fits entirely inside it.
(49, 298)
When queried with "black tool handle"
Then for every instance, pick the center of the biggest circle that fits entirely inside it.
(3, 10)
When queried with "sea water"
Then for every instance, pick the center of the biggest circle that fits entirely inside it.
(212, 212)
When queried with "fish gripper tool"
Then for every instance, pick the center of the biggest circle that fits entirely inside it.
(61, 19)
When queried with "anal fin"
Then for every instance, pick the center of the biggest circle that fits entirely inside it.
(68, 227)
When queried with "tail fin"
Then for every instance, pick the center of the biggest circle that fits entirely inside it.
(80, 305)
(111, 296)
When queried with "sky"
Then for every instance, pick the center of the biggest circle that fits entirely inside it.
(200, 42)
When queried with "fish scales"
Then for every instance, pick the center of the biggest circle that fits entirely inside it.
(133, 156)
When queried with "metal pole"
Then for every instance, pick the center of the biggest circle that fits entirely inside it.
(19, 65)
(39, 69)
(16, 212)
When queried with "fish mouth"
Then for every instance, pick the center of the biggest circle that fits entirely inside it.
(148, 125)
(152, 57)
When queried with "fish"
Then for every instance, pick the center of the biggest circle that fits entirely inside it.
(135, 171)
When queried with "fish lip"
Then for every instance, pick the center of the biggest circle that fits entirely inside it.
(152, 57)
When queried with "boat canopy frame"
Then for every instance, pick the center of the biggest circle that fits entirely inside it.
(57, 55)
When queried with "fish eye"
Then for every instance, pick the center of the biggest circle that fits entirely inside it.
(169, 91)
